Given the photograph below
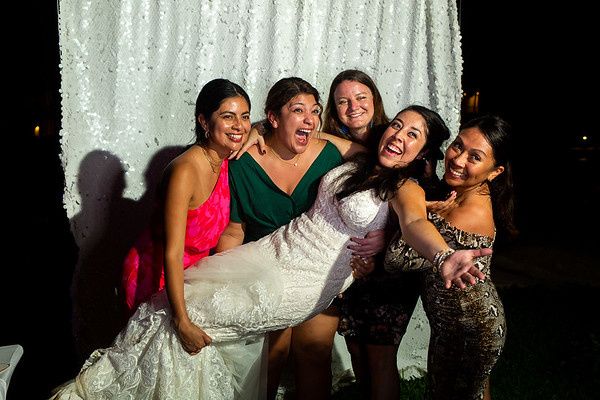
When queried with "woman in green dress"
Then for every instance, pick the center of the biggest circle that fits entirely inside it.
(270, 188)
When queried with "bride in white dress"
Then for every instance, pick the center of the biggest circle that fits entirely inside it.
(278, 281)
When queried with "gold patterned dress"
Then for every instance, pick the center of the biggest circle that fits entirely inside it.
(467, 326)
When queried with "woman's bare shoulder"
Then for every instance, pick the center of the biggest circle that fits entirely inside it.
(408, 194)
(411, 186)
(318, 143)
(473, 216)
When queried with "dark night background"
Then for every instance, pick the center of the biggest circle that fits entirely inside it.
(530, 65)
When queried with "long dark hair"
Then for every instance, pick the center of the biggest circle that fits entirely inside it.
(332, 122)
(283, 91)
(212, 94)
(497, 132)
(367, 174)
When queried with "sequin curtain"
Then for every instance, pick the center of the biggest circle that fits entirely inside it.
(131, 71)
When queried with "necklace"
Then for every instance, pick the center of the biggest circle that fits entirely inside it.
(278, 157)
(213, 164)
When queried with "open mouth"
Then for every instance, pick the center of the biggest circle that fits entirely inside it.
(392, 150)
(456, 174)
(302, 135)
(235, 137)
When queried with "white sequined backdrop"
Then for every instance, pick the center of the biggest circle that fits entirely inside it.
(131, 71)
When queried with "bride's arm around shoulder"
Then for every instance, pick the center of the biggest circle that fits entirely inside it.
(347, 148)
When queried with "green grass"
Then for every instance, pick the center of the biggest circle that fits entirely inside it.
(410, 390)
(552, 348)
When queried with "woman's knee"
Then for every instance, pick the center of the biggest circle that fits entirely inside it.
(279, 345)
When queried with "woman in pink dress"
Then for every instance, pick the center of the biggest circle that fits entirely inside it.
(194, 207)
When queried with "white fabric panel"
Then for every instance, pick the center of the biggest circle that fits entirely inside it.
(131, 71)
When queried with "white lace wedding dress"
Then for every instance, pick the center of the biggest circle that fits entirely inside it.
(278, 281)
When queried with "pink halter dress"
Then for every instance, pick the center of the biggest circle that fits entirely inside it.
(143, 269)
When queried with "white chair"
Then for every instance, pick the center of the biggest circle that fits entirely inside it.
(9, 358)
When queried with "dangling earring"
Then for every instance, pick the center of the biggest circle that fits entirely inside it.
(206, 134)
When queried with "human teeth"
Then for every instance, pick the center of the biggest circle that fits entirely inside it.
(456, 173)
(394, 149)
(235, 136)
(304, 131)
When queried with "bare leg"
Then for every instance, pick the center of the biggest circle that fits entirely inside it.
(360, 365)
(383, 370)
(312, 343)
(487, 393)
(279, 349)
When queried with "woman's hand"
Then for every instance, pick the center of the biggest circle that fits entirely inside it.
(371, 244)
(443, 206)
(459, 269)
(254, 138)
(192, 338)
(362, 266)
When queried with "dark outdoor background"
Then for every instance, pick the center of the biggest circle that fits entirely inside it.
(530, 63)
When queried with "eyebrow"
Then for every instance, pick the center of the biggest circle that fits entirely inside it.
(231, 112)
(416, 129)
(299, 103)
(357, 94)
(411, 127)
(458, 139)
(479, 151)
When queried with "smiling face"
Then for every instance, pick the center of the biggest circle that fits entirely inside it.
(354, 107)
(403, 140)
(228, 125)
(297, 120)
(470, 160)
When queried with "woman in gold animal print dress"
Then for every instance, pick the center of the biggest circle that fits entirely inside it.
(467, 323)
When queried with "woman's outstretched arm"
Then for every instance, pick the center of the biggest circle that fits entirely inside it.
(454, 266)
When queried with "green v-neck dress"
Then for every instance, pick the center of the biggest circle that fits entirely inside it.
(261, 205)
